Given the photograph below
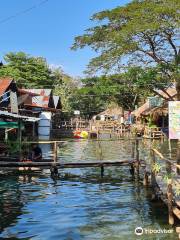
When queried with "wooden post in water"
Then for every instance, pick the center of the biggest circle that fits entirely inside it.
(20, 139)
(55, 151)
(137, 157)
(145, 180)
(132, 169)
(133, 149)
(153, 160)
(102, 171)
(170, 203)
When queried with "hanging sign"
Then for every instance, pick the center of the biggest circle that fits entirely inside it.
(174, 119)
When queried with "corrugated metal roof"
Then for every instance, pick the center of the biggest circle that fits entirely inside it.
(17, 116)
(4, 84)
(40, 101)
(42, 92)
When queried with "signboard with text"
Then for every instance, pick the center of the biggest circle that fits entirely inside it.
(76, 112)
(174, 119)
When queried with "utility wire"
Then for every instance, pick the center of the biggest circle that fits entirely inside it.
(23, 12)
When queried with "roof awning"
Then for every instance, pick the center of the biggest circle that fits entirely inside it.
(8, 124)
(19, 117)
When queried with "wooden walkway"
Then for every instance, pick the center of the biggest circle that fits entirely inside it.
(4, 164)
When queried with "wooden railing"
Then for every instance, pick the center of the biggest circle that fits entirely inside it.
(166, 182)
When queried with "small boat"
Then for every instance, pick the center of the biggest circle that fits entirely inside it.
(80, 134)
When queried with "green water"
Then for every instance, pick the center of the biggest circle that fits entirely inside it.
(81, 204)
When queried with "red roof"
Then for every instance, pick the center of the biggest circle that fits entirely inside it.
(4, 84)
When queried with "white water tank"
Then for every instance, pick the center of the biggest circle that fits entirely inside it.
(44, 125)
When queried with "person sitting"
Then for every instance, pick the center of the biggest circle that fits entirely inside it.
(36, 153)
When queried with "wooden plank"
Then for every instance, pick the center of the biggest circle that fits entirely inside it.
(64, 165)
(178, 203)
(43, 142)
(176, 212)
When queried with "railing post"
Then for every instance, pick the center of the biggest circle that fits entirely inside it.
(170, 203)
(137, 157)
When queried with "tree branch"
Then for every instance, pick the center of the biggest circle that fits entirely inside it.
(169, 38)
(170, 97)
(159, 94)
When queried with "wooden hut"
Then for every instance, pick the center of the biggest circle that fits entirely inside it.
(110, 114)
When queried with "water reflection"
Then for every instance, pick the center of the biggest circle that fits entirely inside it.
(81, 205)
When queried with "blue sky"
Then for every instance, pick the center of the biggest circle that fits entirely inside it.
(48, 30)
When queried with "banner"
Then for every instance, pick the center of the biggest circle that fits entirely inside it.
(174, 119)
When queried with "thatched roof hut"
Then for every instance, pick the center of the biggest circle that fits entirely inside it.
(114, 111)
(137, 113)
(157, 112)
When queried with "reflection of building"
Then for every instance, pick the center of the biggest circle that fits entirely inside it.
(11, 202)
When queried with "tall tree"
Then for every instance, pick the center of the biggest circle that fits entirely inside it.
(66, 87)
(27, 70)
(144, 32)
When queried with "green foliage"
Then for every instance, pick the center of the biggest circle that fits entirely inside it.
(142, 32)
(124, 89)
(156, 168)
(177, 190)
(168, 177)
(66, 87)
(28, 71)
(13, 146)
